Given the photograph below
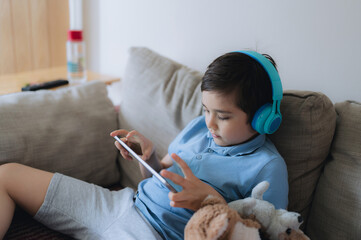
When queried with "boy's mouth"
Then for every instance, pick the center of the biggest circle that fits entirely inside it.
(214, 135)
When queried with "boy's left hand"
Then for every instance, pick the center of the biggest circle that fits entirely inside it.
(194, 190)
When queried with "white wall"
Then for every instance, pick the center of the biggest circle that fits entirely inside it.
(316, 43)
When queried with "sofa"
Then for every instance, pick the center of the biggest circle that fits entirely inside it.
(67, 131)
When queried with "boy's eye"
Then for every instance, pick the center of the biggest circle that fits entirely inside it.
(223, 118)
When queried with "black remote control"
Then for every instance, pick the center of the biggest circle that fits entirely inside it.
(45, 85)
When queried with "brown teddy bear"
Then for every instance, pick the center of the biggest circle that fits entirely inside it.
(216, 221)
(293, 234)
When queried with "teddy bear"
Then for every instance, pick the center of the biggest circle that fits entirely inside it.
(293, 234)
(216, 221)
(274, 222)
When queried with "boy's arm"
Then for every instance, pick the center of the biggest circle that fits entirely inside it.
(275, 172)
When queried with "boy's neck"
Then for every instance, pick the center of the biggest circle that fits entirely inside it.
(248, 140)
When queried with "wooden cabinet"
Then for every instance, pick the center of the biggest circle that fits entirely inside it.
(33, 34)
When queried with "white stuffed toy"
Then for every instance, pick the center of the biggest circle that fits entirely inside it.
(273, 222)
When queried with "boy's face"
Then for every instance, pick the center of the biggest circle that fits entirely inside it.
(226, 122)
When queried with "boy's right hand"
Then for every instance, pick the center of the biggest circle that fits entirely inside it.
(136, 141)
(194, 190)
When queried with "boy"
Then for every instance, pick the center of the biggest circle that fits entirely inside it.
(219, 154)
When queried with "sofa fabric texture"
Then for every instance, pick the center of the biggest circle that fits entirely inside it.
(304, 139)
(159, 98)
(336, 209)
(64, 131)
(67, 130)
(173, 96)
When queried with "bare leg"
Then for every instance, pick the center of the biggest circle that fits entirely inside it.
(23, 186)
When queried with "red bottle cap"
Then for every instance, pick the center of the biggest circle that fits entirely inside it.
(75, 35)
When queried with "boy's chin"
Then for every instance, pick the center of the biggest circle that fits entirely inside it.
(219, 142)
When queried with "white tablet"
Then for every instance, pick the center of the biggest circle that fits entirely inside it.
(146, 165)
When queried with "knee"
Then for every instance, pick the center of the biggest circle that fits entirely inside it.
(6, 170)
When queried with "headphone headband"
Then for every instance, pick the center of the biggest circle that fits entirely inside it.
(277, 91)
(268, 118)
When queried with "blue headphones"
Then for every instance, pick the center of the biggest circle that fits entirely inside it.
(268, 117)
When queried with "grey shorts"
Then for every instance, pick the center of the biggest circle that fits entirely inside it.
(86, 211)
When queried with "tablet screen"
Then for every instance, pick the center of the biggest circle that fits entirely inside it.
(146, 165)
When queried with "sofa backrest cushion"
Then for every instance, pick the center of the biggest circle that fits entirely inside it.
(159, 98)
(304, 140)
(336, 209)
(66, 131)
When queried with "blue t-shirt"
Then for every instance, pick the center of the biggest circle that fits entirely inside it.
(233, 171)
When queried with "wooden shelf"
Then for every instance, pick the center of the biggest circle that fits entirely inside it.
(11, 83)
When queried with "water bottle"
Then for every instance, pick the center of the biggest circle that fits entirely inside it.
(75, 52)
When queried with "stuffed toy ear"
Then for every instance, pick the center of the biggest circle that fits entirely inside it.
(217, 226)
(213, 229)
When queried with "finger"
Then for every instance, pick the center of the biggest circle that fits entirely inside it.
(177, 179)
(132, 134)
(183, 204)
(123, 151)
(124, 140)
(179, 204)
(183, 165)
(119, 146)
(120, 132)
(147, 153)
(146, 146)
(136, 137)
(136, 141)
(177, 197)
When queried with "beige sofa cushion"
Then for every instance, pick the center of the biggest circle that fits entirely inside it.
(304, 139)
(159, 97)
(336, 209)
(66, 131)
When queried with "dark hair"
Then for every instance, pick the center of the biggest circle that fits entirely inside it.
(239, 74)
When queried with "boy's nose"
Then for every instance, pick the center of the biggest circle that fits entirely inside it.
(211, 124)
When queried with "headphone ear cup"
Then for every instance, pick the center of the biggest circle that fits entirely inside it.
(260, 118)
(272, 123)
